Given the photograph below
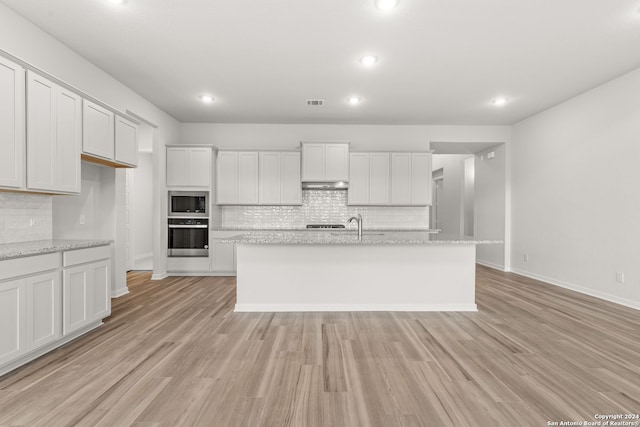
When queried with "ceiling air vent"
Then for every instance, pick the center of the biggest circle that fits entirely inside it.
(315, 102)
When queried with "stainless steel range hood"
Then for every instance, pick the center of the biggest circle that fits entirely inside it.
(326, 185)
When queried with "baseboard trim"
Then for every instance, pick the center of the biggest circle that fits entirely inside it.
(119, 293)
(577, 288)
(23, 360)
(352, 307)
(159, 276)
(491, 265)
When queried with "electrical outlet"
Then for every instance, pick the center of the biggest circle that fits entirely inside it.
(526, 257)
(620, 277)
(82, 220)
(32, 222)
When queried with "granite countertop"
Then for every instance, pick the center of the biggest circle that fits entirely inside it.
(40, 247)
(320, 230)
(370, 237)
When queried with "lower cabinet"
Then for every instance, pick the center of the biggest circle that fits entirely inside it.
(43, 300)
(85, 288)
(223, 256)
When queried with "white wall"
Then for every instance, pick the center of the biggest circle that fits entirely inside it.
(141, 206)
(576, 204)
(490, 206)
(362, 137)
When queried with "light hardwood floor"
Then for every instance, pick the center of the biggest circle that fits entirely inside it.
(173, 353)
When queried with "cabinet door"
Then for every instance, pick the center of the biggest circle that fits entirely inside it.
(75, 298)
(41, 133)
(291, 186)
(401, 178)
(358, 192)
(43, 309)
(126, 141)
(337, 162)
(100, 281)
(68, 109)
(270, 178)
(177, 166)
(199, 169)
(313, 158)
(227, 178)
(12, 124)
(379, 179)
(12, 320)
(97, 131)
(421, 179)
(223, 256)
(248, 178)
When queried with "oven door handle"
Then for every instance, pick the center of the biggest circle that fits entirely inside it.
(188, 226)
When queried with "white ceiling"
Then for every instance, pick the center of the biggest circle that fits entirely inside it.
(440, 61)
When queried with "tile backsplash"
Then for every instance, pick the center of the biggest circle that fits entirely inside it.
(323, 207)
(25, 217)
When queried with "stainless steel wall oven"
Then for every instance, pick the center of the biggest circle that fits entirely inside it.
(188, 237)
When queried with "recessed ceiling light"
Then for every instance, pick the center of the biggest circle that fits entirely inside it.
(117, 1)
(386, 4)
(206, 98)
(368, 60)
(499, 101)
(354, 100)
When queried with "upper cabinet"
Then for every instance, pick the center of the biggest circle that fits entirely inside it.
(126, 145)
(97, 131)
(54, 131)
(258, 178)
(369, 179)
(325, 161)
(12, 125)
(188, 166)
(411, 179)
(108, 138)
(384, 179)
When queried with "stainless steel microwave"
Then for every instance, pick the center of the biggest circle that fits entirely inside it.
(189, 204)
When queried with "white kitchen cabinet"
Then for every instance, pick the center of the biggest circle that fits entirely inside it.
(29, 305)
(368, 179)
(43, 309)
(223, 255)
(325, 161)
(97, 131)
(12, 320)
(12, 125)
(290, 185)
(238, 178)
(280, 178)
(86, 287)
(126, 141)
(248, 175)
(188, 166)
(411, 179)
(53, 136)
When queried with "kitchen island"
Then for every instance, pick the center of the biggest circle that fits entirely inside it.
(338, 271)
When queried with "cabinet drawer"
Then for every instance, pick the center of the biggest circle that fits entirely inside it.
(28, 265)
(82, 256)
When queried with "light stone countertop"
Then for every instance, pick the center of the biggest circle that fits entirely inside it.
(370, 237)
(40, 247)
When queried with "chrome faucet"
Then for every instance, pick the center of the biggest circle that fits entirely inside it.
(358, 220)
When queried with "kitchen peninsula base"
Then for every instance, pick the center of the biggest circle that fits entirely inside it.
(319, 277)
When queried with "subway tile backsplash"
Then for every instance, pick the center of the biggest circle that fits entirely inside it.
(25, 217)
(323, 207)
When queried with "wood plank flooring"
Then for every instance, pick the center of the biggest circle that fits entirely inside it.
(173, 353)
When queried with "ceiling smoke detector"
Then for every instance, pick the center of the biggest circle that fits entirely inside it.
(315, 102)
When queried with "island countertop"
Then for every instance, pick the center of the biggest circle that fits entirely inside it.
(372, 237)
(40, 247)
